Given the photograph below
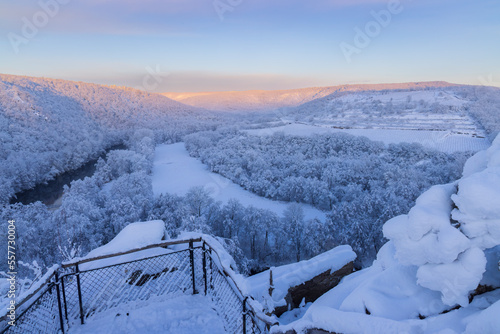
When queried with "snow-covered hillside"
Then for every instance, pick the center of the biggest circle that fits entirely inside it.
(435, 109)
(51, 126)
(255, 179)
(269, 100)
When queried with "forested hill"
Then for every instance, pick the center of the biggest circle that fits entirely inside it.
(50, 126)
(260, 100)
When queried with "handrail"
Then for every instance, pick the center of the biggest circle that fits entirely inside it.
(43, 285)
(28, 297)
(244, 297)
(227, 274)
(102, 257)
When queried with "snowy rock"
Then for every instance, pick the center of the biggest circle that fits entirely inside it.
(477, 163)
(425, 235)
(456, 279)
(479, 195)
(312, 289)
(478, 207)
(387, 289)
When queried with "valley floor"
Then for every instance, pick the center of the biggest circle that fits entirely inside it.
(444, 141)
(175, 172)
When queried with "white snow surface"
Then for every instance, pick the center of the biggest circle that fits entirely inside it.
(444, 141)
(388, 289)
(480, 317)
(290, 275)
(133, 236)
(182, 315)
(442, 97)
(175, 172)
(446, 258)
(486, 321)
(454, 280)
(425, 234)
(478, 198)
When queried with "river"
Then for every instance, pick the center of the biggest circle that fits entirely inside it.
(50, 193)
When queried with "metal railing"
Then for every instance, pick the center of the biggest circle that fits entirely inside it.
(83, 288)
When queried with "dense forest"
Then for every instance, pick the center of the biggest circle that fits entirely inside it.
(51, 126)
(356, 180)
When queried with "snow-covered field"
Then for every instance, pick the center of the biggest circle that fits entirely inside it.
(445, 141)
(175, 172)
(444, 97)
(182, 315)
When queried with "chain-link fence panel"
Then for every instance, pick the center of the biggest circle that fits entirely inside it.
(42, 316)
(83, 290)
(227, 301)
(199, 272)
(102, 289)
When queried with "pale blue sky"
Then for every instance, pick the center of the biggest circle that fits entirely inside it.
(258, 45)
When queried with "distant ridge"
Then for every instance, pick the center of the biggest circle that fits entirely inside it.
(261, 100)
(50, 126)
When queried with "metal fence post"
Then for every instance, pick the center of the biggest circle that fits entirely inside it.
(77, 272)
(245, 315)
(191, 258)
(64, 299)
(211, 268)
(59, 302)
(205, 266)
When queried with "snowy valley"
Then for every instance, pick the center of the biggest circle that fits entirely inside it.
(384, 198)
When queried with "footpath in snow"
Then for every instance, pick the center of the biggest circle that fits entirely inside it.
(175, 172)
(182, 315)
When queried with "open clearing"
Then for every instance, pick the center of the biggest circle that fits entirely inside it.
(175, 172)
(445, 141)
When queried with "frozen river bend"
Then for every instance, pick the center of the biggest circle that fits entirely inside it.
(175, 172)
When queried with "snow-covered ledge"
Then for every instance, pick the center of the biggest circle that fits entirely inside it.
(283, 288)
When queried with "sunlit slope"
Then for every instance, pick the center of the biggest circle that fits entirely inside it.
(261, 100)
(50, 126)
